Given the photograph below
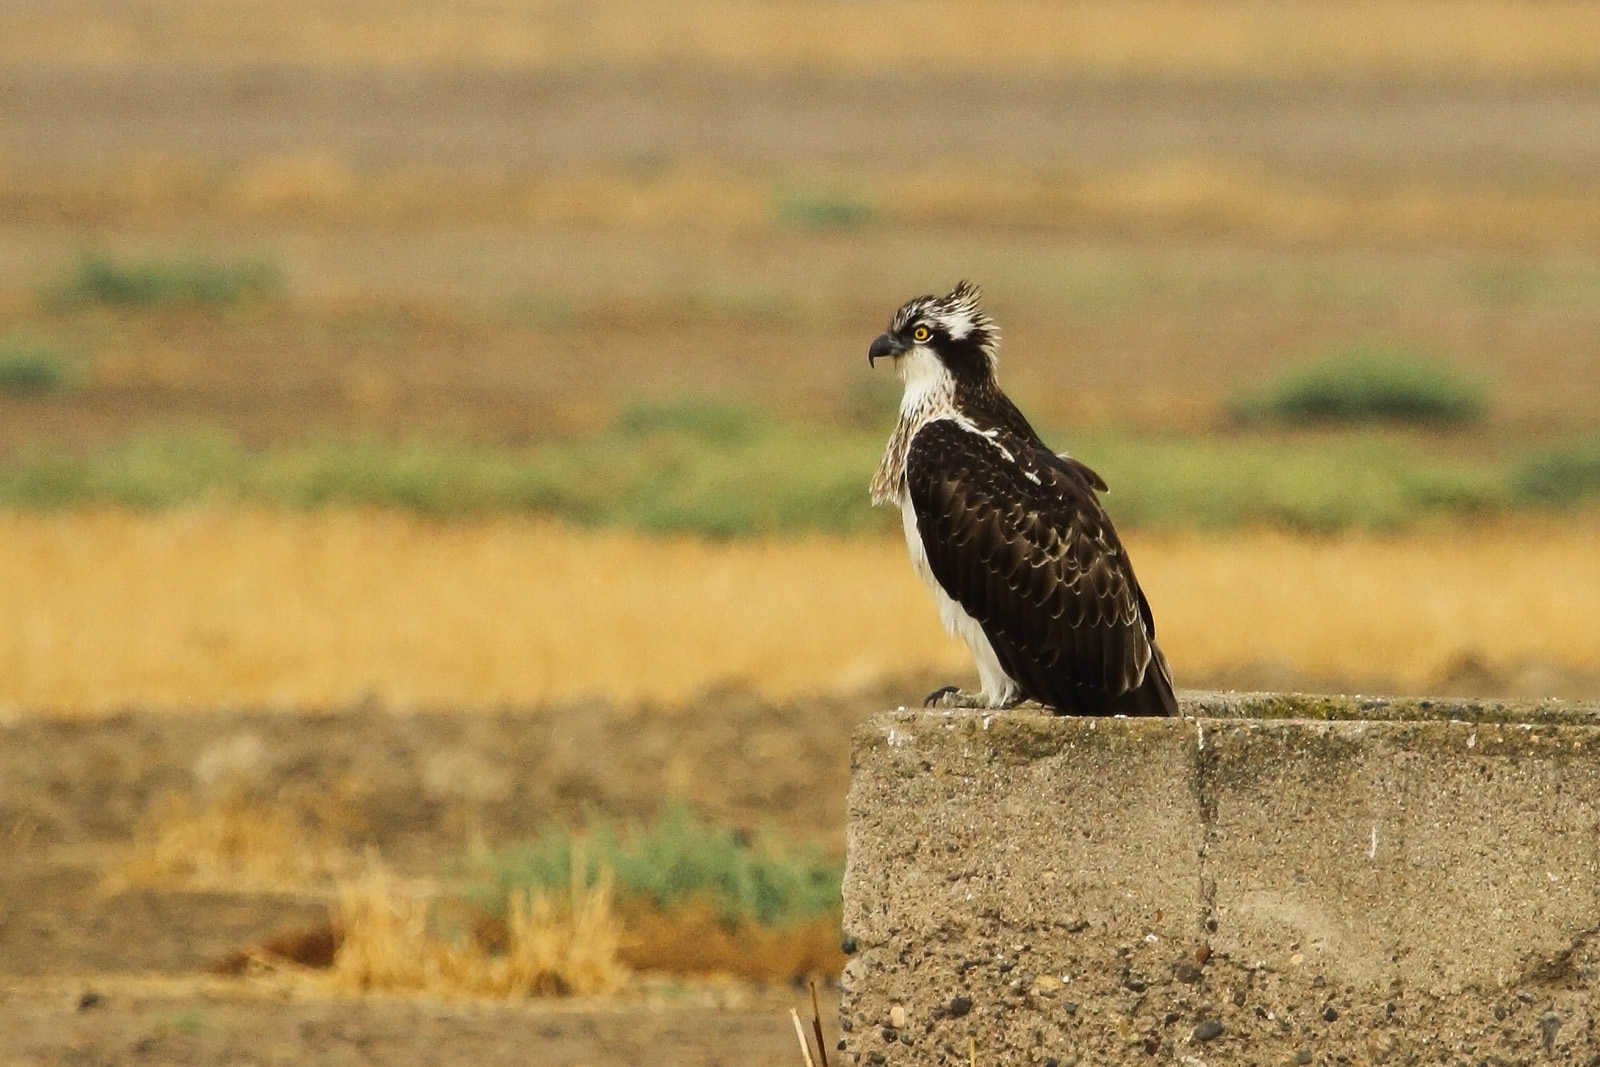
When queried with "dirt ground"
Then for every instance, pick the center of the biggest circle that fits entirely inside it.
(505, 254)
(95, 973)
(81, 1024)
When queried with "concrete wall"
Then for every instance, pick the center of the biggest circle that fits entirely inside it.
(1272, 880)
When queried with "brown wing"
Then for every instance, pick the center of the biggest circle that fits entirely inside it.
(1024, 546)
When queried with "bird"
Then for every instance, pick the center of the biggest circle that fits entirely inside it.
(1009, 535)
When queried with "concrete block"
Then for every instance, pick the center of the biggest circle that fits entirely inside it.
(1371, 881)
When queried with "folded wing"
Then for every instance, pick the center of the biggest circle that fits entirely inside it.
(1016, 535)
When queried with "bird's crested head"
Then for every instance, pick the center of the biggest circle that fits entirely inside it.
(951, 331)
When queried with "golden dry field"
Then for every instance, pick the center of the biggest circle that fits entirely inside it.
(200, 609)
(1241, 38)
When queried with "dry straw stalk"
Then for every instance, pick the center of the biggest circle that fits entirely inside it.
(555, 947)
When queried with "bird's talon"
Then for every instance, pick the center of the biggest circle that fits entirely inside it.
(936, 698)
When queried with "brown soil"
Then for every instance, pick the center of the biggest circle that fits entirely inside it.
(420, 789)
(93, 973)
(427, 297)
(93, 1023)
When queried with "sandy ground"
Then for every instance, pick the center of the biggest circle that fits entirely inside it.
(92, 973)
(80, 1024)
(498, 253)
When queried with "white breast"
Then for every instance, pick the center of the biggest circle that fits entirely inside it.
(998, 688)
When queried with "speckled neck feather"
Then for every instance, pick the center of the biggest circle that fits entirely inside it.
(949, 377)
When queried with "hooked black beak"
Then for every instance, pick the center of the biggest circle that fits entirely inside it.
(887, 345)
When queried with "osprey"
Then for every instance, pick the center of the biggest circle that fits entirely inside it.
(1008, 535)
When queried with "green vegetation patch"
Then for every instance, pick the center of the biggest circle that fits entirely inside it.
(153, 472)
(191, 281)
(1559, 477)
(1367, 384)
(707, 468)
(690, 468)
(671, 861)
(32, 368)
(824, 210)
(1323, 483)
(715, 470)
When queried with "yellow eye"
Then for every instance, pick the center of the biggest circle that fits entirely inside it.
(921, 334)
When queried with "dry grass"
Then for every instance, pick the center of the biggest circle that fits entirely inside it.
(1259, 38)
(694, 938)
(193, 609)
(1196, 193)
(1401, 609)
(554, 947)
(234, 843)
(1264, 40)
(384, 934)
(190, 610)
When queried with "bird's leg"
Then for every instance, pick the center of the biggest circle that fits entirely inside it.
(951, 696)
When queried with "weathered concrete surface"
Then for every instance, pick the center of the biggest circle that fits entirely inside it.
(1226, 888)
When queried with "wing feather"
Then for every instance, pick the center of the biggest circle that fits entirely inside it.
(1024, 546)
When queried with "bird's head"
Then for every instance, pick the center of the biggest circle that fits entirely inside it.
(941, 337)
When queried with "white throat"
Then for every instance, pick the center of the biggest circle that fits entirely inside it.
(928, 383)
(930, 394)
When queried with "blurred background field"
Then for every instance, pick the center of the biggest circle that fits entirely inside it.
(198, 609)
(509, 354)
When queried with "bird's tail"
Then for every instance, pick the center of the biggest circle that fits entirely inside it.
(1154, 696)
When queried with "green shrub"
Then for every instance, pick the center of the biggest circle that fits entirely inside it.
(194, 281)
(824, 211)
(1367, 385)
(711, 421)
(668, 862)
(788, 479)
(1349, 482)
(1560, 477)
(434, 479)
(715, 472)
(147, 473)
(29, 368)
(740, 482)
